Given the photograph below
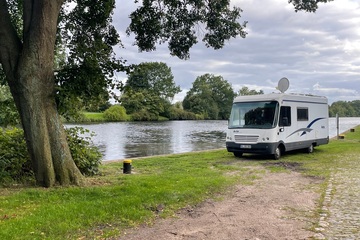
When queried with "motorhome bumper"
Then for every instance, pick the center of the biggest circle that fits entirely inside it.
(260, 148)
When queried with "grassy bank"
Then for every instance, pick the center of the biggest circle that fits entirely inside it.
(97, 117)
(158, 186)
(93, 117)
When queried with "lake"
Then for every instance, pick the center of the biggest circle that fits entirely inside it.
(138, 139)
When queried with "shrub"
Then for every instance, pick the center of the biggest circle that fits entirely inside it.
(86, 156)
(181, 114)
(14, 159)
(116, 113)
(144, 115)
(15, 164)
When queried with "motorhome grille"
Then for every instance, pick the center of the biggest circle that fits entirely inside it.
(246, 138)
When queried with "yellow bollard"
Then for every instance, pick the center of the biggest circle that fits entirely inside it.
(127, 166)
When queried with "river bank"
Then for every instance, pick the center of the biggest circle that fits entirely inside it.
(139, 139)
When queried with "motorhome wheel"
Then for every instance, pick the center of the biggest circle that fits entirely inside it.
(277, 153)
(310, 149)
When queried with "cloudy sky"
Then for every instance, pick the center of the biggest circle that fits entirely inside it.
(318, 52)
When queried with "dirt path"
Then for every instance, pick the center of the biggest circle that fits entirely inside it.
(274, 207)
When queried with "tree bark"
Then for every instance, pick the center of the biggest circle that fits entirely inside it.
(29, 68)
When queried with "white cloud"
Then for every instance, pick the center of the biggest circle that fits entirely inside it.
(318, 52)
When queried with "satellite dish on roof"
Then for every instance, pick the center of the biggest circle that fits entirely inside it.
(283, 84)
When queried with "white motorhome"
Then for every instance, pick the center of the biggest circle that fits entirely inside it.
(276, 123)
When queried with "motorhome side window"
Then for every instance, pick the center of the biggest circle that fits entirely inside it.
(302, 114)
(285, 116)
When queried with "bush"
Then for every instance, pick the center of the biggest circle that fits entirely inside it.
(144, 115)
(15, 164)
(86, 156)
(181, 114)
(115, 113)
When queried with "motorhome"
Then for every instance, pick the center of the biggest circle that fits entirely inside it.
(276, 123)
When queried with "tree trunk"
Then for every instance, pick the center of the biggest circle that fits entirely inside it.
(29, 68)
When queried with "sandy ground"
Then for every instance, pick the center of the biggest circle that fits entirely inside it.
(277, 206)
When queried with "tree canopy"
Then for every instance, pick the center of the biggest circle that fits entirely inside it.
(153, 76)
(175, 22)
(246, 91)
(86, 59)
(150, 88)
(307, 5)
(345, 109)
(210, 96)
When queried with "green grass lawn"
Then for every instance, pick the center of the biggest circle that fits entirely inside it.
(94, 116)
(115, 201)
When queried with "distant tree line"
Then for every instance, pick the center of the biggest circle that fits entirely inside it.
(345, 109)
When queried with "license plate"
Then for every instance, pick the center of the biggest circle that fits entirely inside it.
(245, 146)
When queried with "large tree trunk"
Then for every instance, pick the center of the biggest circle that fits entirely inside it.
(29, 68)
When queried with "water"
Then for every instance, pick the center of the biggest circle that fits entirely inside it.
(344, 125)
(137, 139)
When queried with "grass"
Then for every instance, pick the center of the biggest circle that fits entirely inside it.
(94, 117)
(114, 201)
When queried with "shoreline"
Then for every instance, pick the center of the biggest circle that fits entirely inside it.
(206, 150)
(344, 133)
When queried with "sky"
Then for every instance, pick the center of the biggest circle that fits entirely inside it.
(318, 52)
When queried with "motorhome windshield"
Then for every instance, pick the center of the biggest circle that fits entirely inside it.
(254, 115)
